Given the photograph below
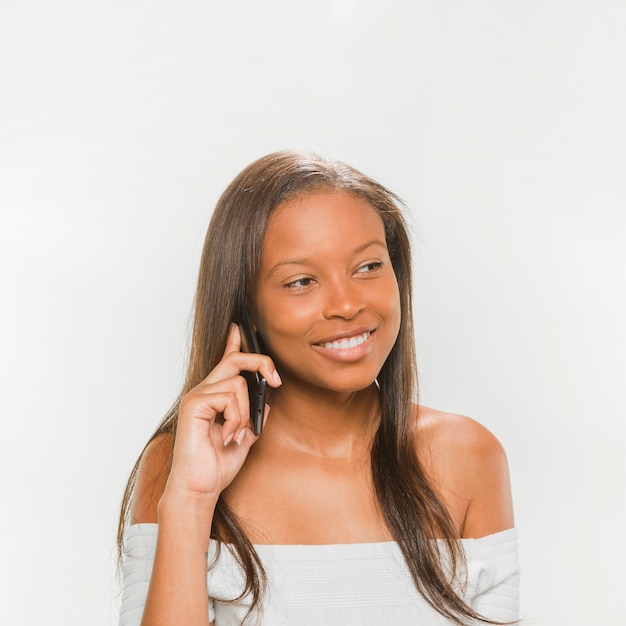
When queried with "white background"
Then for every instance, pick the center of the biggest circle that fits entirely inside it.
(500, 123)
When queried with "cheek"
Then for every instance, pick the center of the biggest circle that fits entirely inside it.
(388, 303)
(282, 326)
(390, 294)
(395, 313)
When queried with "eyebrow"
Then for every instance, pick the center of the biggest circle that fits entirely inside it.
(304, 261)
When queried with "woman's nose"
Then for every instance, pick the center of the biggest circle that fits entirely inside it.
(342, 299)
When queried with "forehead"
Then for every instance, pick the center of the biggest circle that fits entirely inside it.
(339, 216)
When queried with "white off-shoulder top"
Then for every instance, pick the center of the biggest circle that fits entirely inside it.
(361, 584)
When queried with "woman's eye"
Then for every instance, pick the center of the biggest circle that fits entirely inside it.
(369, 267)
(301, 283)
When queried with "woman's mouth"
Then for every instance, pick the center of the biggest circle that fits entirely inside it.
(347, 349)
(347, 342)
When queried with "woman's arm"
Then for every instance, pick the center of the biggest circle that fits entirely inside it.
(205, 457)
(177, 591)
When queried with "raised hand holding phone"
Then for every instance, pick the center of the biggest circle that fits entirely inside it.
(205, 461)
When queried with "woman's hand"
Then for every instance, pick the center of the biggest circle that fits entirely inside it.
(214, 433)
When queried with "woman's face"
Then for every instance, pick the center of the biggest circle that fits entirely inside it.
(328, 306)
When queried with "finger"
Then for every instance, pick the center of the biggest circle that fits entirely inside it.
(235, 362)
(233, 340)
(265, 366)
(253, 362)
(246, 436)
(230, 402)
(236, 422)
(235, 385)
(243, 403)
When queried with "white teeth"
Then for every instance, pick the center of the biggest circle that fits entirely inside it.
(344, 344)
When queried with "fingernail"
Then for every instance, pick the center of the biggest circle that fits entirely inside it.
(229, 439)
(242, 434)
(277, 379)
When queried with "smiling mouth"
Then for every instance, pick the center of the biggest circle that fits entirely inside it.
(347, 343)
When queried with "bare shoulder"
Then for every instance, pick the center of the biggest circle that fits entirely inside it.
(467, 464)
(456, 436)
(151, 478)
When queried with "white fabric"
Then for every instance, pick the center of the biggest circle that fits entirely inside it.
(333, 585)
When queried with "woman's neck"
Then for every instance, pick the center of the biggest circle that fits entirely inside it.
(322, 423)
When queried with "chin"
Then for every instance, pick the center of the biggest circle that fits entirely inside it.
(346, 384)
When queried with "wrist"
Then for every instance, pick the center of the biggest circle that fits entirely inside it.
(186, 510)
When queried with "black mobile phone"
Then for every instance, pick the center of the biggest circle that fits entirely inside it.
(257, 385)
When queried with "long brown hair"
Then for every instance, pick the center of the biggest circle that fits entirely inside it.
(228, 270)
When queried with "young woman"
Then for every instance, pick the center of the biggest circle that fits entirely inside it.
(355, 505)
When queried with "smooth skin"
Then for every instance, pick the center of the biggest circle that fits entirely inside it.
(325, 278)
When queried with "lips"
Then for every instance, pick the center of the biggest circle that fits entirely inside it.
(346, 343)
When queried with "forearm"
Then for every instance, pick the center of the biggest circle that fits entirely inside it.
(178, 586)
